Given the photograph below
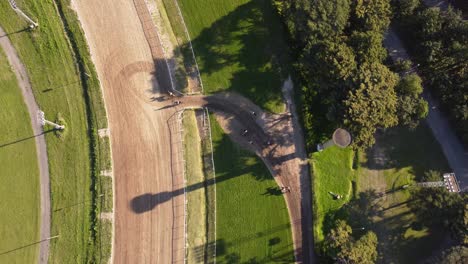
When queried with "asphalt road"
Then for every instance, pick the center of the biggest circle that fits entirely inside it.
(452, 147)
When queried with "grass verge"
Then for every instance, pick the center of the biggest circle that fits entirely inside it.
(19, 175)
(196, 199)
(252, 224)
(332, 172)
(238, 45)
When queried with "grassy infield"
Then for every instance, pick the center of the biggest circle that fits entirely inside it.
(232, 42)
(19, 174)
(55, 60)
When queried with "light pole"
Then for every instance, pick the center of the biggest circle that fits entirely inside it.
(32, 24)
(43, 121)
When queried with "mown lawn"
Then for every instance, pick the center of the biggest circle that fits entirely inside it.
(239, 47)
(252, 218)
(332, 172)
(19, 174)
(59, 91)
(409, 155)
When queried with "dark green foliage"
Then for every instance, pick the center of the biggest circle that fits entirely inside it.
(340, 55)
(439, 41)
(372, 104)
(342, 247)
(372, 15)
(438, 207)
(411, 107)
(406, 7)
(453, 255)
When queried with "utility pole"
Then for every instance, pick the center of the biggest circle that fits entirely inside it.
(43, 121)
(32, 24)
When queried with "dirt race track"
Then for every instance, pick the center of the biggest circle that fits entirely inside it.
(146, 147)
(144, 151)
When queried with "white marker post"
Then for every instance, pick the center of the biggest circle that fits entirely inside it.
(43, 121)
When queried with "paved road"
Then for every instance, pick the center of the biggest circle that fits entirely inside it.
(443, 132)
(26, 90)
(443, 5)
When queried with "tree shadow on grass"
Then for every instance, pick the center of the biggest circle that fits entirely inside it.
(278, 253)
(244, 51)
(404, 148)
(226, 169)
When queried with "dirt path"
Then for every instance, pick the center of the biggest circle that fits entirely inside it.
(28, 96)
(451, 146)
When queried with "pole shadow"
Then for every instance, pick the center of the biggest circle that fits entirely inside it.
(26, 138)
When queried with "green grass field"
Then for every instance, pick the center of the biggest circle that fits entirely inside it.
(19, 175)
(252, 219)
(332, 172)
(239, 47)
(55, 66)
(409, 155)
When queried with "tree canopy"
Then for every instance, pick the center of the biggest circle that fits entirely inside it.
(439, 41)
(344, 248)
(340, 63)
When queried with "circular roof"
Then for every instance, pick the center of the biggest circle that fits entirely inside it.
(341, 137)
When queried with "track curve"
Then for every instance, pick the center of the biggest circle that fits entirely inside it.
(41, 148)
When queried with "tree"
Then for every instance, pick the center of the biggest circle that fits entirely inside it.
(363, 251)
(329, 18)
(368, 46)
(455, 255)
(408, 7)
(373, 104)
(337, 238)
(373, 15)
(438, 207)
(411, 107)
(342, 247)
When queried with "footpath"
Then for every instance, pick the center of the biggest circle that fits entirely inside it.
(33, 108)
(452, 147)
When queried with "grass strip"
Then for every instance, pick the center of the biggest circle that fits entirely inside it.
(19, 175)
(196, 199)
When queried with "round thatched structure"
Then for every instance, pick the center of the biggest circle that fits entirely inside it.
(341, 138)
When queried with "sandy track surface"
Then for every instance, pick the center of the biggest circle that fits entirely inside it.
(41, 149)
(145, 153)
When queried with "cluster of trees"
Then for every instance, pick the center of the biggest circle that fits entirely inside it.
(345, 82)
(439, 42)
(438, 208)
(442, 209)
(341, 247)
